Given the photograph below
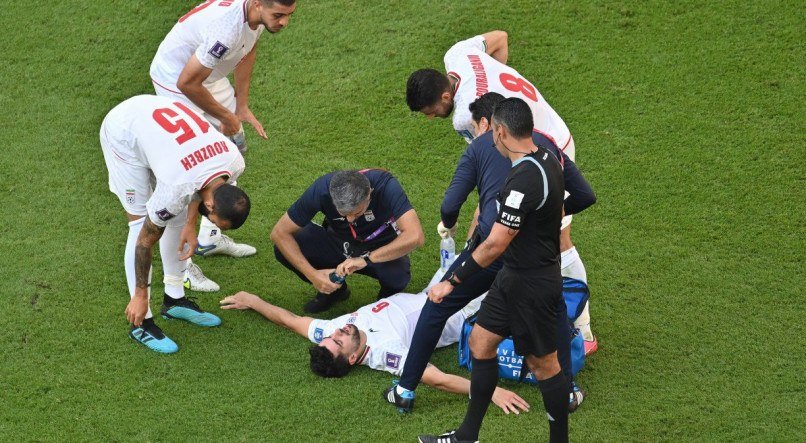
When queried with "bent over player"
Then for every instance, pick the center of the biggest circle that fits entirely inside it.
(377, 335)
(525, 300)
(474, 67)
(211, 41)
(149, 139)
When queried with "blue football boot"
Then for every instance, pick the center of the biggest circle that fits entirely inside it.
(576, 397)
(186, 309)
(404, 402)
(151, 336)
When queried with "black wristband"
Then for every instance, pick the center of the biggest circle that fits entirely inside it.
(468, 268)
(366, 258)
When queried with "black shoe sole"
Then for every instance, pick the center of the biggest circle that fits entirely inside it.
(340, 295)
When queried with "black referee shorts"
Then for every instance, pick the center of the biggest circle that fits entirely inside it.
(525, 304)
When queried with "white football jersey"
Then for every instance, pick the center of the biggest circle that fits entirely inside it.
(182, 150)
(478, 73)
(389, 324)
(216, 31)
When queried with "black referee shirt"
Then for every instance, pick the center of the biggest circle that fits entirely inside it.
(532, 201)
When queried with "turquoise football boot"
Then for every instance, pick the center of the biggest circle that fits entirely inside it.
(186, 309)
(151, 336)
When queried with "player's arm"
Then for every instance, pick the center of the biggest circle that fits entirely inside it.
(497, 45)
(283, 237)
(188, 236)
(138, 305)
(507, 400)
(275, 314)
(473, 223)
(243, 80)
(190, 83)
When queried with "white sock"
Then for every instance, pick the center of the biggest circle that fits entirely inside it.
(400, 390)
(571, 265)
(128, 261)
(208, 232)
(583, 323)
(173, 268)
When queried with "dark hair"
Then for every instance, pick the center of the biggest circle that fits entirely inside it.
(515, 114)
(231, 204)
(425, 87)
(325, 365)
(282, 2)
(484, 105)
(348, 189)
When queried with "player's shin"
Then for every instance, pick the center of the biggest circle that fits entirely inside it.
(483, 380)
(173, 268)
(128, 260)
(208, 232)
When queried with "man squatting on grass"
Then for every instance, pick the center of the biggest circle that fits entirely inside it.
(525, 300)
(377, 335)
(147, 136)
(206, 45)
(369, 228)
(481, 167)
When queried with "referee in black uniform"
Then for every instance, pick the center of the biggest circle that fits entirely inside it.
(525, 300)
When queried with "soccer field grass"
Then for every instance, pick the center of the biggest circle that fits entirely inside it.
(689, 123)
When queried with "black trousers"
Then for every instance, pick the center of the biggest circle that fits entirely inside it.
(324, 251)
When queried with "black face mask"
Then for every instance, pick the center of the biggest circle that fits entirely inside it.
(203, 209)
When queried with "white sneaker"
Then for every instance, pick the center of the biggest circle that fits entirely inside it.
(226, 246)
(196, 281)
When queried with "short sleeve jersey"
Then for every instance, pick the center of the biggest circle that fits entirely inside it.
(388, 326)
(216, 32)
(181, 149)
(375, 228)
(531, 201)
(477, 73)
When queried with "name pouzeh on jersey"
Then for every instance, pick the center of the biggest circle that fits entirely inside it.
(202, 154)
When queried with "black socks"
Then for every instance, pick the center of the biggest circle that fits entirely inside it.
(483, 381)
(555, 392)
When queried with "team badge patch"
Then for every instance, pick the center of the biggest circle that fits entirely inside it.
(369, 216)
(130, 196)
(514, 199)
(392, 360)
(318, 335)
(218, 50)
(165, 215)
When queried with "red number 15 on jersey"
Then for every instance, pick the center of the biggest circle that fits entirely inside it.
(170, 121)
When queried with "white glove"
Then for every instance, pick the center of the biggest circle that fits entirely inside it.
(446, 232)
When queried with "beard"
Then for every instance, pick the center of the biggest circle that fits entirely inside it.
(203, 209)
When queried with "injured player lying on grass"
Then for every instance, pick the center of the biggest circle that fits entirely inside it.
(377, 335)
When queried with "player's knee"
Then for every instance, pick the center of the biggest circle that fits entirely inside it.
(482, 348)
(545, 366)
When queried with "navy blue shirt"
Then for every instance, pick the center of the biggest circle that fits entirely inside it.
(482, 167)
(375, 228)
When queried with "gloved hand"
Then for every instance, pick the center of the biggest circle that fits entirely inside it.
(446, 232)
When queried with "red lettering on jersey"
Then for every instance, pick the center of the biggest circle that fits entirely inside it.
(481, 75)
(198, 156)
(218, 148)
(379, 307)
(200, 122)
(162, 116)
(196, 9)
(516, 84)
(186, 164)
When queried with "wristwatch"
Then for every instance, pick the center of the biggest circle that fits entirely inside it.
(452, 280)
(366, 258)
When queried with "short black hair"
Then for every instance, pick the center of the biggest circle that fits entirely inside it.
(231, 204)
(424, 88)
(282, 2)
(324, 364)
(484, 105)
(515, 114)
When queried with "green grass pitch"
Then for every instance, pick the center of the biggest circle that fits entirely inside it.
(689, 122)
